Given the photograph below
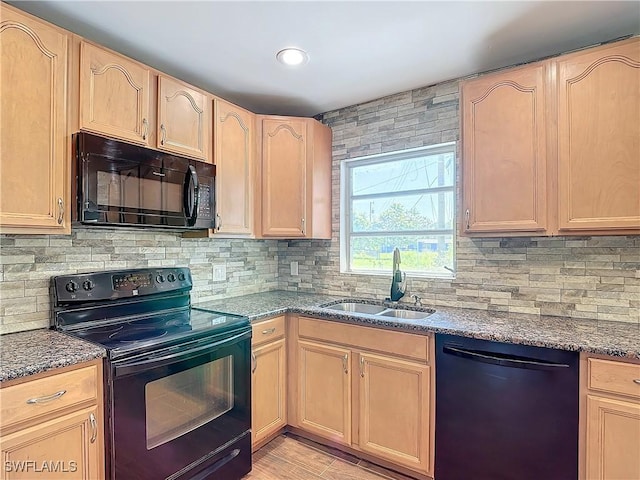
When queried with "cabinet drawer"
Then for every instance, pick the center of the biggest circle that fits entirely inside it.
(43, 396)
(374, 339)
(267, 330)
(614, 377)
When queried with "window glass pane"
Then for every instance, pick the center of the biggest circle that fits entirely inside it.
(418, 253)
(421, 172)
(408, 212)
(182, 402)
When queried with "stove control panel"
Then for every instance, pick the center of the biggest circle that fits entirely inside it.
(111, 285)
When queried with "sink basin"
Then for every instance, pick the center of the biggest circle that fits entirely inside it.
(357, 308)
(406, 314)
(380, 310)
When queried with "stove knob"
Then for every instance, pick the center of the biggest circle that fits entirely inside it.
(160, 279)
(87, 285)
(181, 277)
(171, 277)
(71, 286)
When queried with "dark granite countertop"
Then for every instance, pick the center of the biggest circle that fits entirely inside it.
(27, 353)
(594, 336)
(35, 351)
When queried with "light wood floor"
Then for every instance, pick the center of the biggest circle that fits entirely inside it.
(289, 457)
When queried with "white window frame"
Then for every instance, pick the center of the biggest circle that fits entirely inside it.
(346, 197)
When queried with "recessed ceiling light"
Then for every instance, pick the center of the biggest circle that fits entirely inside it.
(292, 57)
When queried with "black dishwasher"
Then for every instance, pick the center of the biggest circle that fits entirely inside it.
(504, 411)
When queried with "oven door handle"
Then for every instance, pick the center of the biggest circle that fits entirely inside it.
(149, 363)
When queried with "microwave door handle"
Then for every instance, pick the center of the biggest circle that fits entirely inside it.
(191, 197)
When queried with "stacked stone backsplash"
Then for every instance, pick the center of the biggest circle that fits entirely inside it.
(585, 277)
(28, 261)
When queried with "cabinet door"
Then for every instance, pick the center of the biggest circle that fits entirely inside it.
(65, 447)
(268, 390)
(394, 410)
(34, 165)
(324, 391)
(234, 159)
(598, 140)
(114, 95)
(183, 119)
(613, 439)
(504, 158)
(284, 174)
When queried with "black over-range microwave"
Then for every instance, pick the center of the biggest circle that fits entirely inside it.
(120, 184)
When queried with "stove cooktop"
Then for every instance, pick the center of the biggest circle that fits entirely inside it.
(125, 335)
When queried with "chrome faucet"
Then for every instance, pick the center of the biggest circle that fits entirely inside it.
(398, 280)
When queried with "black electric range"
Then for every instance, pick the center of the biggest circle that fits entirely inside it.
(177, 378)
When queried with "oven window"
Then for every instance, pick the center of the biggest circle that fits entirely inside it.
(179, 403)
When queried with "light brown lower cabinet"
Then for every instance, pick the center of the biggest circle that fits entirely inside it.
(52, 425)
(268, 380)
(365, 388)
(394, 412)
(611, 419)
(324, 392)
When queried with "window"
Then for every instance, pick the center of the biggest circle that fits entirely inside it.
(402, 199)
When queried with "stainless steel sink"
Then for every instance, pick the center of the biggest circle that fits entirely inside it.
(380, 310)
(405, 314)
(357, 308)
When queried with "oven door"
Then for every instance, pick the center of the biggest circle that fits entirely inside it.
(183, 412)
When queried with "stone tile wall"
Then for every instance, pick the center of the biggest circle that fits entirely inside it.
(586, 277)
(28, 261)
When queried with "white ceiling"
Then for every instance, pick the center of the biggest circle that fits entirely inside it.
(359, 50)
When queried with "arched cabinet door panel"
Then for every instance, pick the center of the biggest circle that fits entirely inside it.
(599, 139)
(234, 130)
(183, 119)
(114, 95)
(34, 163)
(504, 163)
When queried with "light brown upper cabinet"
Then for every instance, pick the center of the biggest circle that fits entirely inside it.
(295, 172)
(34, 146)
(183, 119)
(599, 139)
(114, 95)
(234, 130)
(504, 151)
(553, 148)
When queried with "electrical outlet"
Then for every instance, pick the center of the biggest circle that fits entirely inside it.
(219, 273)
(294, 268)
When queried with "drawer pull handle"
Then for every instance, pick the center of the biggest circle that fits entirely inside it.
(362, 366)
(345, 359)
(636, 380)
(268, 331)
(46, 399)
(94, 427)
(254, 362)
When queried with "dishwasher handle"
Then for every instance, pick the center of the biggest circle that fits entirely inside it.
(504, 360)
